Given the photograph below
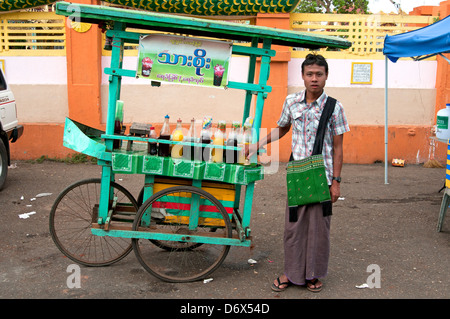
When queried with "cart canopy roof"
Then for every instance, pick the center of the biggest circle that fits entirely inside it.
(430, 40)
(197, 27)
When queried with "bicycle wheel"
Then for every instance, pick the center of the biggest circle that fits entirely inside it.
(178, 261)
(71, 218)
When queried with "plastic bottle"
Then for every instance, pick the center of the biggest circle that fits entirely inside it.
(177, 136)
(231, 156)
(219, 139)
(152, 146)
(164, 149)
(188, 150)
(118, 123)
(248, 122)
(205, 138)
(443, 125)
(246, 140)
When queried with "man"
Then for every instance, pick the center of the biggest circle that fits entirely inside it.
(306, 241)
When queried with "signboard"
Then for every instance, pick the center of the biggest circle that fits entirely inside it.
(361, 73)
(184, 60)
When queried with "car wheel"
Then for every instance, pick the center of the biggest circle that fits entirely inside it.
(3, 164)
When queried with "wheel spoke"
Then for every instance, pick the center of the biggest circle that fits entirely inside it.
(176, 261)
(71, 221)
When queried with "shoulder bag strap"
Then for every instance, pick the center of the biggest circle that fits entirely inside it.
(326, 114)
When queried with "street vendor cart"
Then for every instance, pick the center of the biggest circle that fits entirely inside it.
(189, 212)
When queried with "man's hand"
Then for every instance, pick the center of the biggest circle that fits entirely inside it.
(250, 150)
(335, 191)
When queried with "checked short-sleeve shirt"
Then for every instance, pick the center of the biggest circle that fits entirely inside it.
(304, 119)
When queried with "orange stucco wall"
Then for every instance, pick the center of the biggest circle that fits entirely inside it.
(364, 144)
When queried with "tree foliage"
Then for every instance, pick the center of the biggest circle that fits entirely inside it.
(336, 6)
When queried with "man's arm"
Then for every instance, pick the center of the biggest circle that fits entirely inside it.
(274, 135)
(338, 156)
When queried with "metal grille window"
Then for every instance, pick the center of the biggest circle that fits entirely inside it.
(32, 33)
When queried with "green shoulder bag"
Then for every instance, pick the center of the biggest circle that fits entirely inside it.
(306, 178)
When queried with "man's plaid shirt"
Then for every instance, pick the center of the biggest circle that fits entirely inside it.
(305, 121)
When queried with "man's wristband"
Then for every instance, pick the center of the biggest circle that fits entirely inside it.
(337, 179)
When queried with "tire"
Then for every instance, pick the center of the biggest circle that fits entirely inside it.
(71, 219)
(3, 164)
(178, 261)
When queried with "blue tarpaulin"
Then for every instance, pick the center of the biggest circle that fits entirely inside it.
(430, 40)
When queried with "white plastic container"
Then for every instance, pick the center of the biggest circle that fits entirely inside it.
(443, 123)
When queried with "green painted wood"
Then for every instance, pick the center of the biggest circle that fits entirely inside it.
(114, 94)
(250, 80)
(105, 194)
(120, 72)
(115, 83)
(83, 139)
(238, 225)
(264, 72)
(209, 238)
(248, 203)
(249, 87)
(252, 51)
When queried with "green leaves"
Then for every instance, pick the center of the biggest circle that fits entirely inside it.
(333, 6)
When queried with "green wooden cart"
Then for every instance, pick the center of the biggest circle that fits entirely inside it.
(189, 212)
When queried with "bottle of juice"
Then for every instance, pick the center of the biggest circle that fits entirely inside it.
(205, 138)
(152, 146)
(118, 123)
(177, 136)
(219, 139)
(164, 149)
(188, 150)
(246, 140)
(231, 156)
(248, 121)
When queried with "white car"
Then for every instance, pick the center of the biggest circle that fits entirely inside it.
(10, 130)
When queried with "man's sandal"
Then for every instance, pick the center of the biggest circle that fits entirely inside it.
(311, 285)
(278, 288)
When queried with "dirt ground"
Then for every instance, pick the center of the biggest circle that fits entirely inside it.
(390, 226)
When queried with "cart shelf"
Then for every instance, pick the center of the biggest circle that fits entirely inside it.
(87, 140)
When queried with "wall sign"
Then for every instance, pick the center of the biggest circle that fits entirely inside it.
(184, 60)
(362, 73)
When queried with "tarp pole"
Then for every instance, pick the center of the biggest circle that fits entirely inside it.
(386, 123)
(445, 58)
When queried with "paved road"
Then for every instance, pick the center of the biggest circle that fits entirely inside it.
(390, 226)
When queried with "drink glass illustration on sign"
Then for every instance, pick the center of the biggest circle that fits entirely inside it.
(184, 60)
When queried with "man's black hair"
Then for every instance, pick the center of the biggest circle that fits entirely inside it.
(316, 59)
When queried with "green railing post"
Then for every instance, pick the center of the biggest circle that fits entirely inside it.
(264, 71)
(250, 79)
(114, 95)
